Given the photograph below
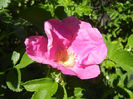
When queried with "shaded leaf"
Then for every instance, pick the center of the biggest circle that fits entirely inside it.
(36, 15)
(60, 13)
(13, 79)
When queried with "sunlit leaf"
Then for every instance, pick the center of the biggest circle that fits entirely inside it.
(4, 3)
(44, 88)
(41, 94)
(124, 59)
(113, 46)
(46, 93)
(130, 84)
(25, 61)
(36, 84)
(15, 57)
(78, 92)
(130, 41)
(130, 93)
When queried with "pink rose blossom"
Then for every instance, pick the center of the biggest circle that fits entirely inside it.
(73, 46)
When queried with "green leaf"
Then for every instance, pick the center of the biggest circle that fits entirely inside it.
(130, 41)
(35, 85)
(25, 61)
(78, 92)
(4, 3)
(46, 93)
(44, 88)
(113, 46)
(124, 59)
(130, 84)
(41, 94)
(13, 79)
(15, 57)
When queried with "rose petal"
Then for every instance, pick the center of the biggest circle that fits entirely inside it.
(65, 70)
(36, 48)
(73, 24)
(88, 72)
(58, 38)
(89, 46)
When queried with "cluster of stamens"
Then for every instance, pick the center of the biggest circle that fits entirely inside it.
(66, 58)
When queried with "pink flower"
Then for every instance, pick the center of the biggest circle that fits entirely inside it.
(73, 46)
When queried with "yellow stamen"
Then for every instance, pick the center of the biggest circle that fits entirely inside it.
(66, 58)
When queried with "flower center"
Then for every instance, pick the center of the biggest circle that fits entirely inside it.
(66, 58)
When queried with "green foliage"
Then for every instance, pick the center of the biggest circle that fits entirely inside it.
(4, 3)
(121, 16)
(22, 78)
(44, 88)
(25, 61)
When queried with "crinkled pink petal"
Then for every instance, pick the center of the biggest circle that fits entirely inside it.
(58, 37)
(36, 48)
